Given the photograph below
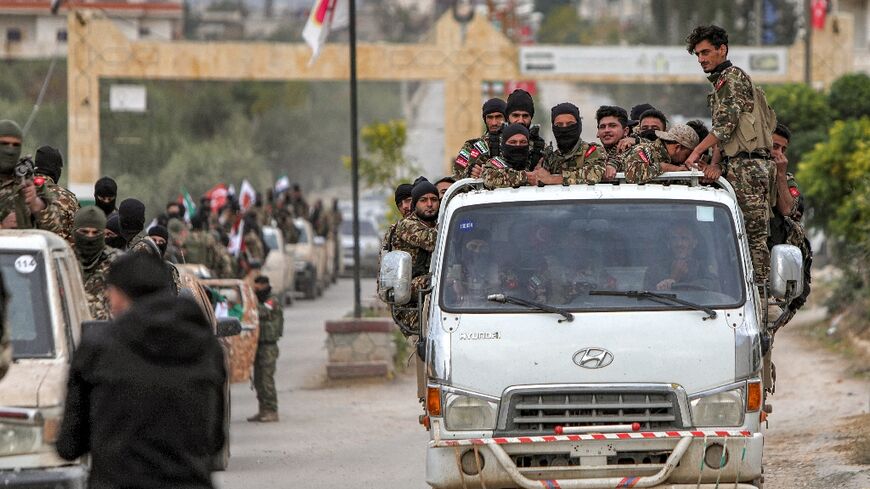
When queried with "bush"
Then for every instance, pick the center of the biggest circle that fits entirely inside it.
(849, 96)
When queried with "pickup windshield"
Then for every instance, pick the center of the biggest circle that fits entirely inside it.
(27, 312)
(556, 253)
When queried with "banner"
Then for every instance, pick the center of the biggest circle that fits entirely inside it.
(325, 15)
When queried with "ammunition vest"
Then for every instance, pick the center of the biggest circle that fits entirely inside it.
(754, 129)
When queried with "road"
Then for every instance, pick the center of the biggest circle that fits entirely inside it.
(366, 435)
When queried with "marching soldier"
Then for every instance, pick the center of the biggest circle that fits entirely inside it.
(271, 330)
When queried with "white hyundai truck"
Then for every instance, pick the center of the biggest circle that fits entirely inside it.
(592, 336)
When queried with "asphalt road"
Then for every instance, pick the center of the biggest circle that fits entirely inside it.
(366, 435)
(360, 435)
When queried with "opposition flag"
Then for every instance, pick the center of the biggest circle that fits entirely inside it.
(189, 204)
(325, 15)
(282, 185)
(247, 196)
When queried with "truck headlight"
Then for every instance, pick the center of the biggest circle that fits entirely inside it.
(24, 431)
(467, 413)
(719, 409)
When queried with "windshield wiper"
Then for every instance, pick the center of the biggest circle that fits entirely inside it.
(503, 299)
(657, 297)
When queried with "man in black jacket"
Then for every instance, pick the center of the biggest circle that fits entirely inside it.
(145, 392)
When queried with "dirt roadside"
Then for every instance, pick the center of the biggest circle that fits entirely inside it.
(810, 440)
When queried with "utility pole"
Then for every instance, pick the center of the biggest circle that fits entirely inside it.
(354, 160)
(808, 42)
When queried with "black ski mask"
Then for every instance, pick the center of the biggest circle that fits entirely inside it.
(517, 157)
(566, 137)
(264, 293)
(9, 154)
(106, 187)
(117, 241)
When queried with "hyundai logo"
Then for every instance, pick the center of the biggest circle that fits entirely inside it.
(593, 358)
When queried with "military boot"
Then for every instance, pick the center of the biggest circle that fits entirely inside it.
(255, 418)
(269, 417)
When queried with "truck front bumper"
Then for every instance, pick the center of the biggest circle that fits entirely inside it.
(551, 461)
(65, 477)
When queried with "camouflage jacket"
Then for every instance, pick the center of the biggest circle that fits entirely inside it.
(61, 206)
(202, 248)
(643, 161)
(474, 152)
(583, 164)
(497, 174)
(733, 95)
(781, 225)
(254, 247)
(283, 217)
(416, 237)
(271, 320)
(142, 243)
(94, 278)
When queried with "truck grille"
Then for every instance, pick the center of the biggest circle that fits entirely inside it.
(541, 412)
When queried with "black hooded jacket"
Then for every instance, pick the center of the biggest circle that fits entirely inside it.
(146, 398)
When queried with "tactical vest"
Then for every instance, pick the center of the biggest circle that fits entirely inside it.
(754, 129)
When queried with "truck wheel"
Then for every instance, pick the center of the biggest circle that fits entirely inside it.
(288, 298)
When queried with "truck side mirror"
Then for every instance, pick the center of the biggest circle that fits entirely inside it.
(786, 271)
(228, 326)
(394, 279)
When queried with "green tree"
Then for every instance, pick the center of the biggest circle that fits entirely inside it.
(383, 165)
(806, 113)
(849, 96)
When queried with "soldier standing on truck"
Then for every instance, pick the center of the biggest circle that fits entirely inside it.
(61, 208)
(475, 152)
(742, 127)
(271, 330)
(94, 256)
(574, 161)
(785, 221)
(511, 168)
(416, 235)
(520, 109)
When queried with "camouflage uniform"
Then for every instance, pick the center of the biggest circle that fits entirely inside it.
(416, 237)
(254, 247)
(474, 152)
(787, 229)
(142, 243)
(752, 174)
(271, 330)
(60, 210)
(94, 278)
(497, 174)
(643, 161)
(202, 248)
(583, 164)
(57, 216)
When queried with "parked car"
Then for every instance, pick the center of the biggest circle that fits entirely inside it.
(310, 258)
(280, 266)
(369, 246)
(46, 307)
(242, 348)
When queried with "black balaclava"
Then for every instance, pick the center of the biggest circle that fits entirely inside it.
(636, 111)
(89, 248)
(263, 294)
(520, 100)
(106, 187)
(493, 106)
(566, 137)
(49, 162)
(423, 187)
(162, 232)
(649, 134)
(131, 214)
(9, 155)
(403, 191)
(113, 224)
(517, 157)
(182, 210)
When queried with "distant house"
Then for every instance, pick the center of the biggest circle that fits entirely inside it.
(28, 29)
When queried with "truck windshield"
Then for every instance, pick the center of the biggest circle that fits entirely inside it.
(27, 311)
(557, 253)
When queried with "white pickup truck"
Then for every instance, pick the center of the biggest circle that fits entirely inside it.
(593, 336)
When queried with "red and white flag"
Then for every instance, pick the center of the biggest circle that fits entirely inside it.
(247, 196)
(217, 197)
(325, 15)
(237, 233)
(819, 10)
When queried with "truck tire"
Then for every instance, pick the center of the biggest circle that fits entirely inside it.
(311, 289)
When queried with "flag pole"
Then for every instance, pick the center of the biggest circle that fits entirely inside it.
(354, 160)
